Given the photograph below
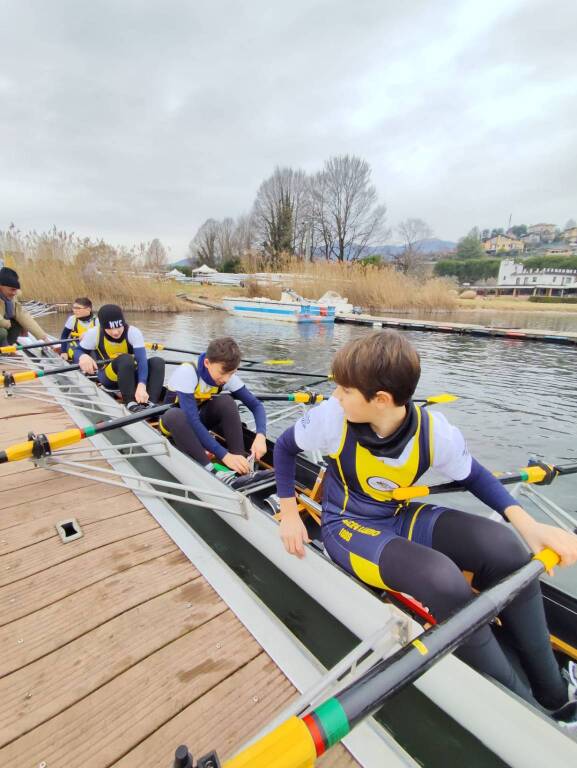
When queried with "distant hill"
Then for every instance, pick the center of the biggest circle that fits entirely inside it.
(180, 263)
(431, 245)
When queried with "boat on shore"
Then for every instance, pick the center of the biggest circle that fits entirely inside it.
(509, 727)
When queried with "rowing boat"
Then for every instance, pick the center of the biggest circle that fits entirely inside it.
(364, 611)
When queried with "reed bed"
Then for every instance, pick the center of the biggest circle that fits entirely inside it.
(55, 281)
(373, 288)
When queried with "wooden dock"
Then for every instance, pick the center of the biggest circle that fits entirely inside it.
(465, 329)
(113, 648)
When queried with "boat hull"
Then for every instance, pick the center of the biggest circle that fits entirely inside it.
(287, 312)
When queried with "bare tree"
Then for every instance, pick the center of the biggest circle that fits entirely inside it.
(203, 248)
(413, 232)
(155, 259)
(346, 210)
(281, 211)
(244, 235)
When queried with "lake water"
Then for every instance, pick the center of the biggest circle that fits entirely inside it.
(516, 400)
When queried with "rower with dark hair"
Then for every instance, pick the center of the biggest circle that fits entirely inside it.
(377, 440)
(81, 320)
(204, 396)
(139, 379)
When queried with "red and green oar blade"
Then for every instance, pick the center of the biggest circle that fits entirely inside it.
(10, 379)
(297, 742)
(535, 473)
(155, 346)
(20, 347)
(43, 445)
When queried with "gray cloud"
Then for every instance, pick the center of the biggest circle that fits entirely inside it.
(132, 119)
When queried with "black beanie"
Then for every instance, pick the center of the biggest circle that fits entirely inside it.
(110, 316)
(9, 278)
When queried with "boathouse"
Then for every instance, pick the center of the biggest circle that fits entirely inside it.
(516, 278)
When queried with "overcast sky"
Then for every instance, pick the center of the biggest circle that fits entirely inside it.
(134, 119)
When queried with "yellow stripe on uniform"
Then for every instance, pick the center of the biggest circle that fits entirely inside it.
(413, 521)
(367, 571)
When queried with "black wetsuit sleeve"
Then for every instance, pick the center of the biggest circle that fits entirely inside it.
(285, 453)
(485, 486)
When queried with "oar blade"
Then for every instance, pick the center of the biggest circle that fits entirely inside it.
(444, 397)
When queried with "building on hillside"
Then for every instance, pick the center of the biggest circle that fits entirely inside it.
(515, 278)
(503, 243)
(531, 240)
(546, 232)
(570, 235)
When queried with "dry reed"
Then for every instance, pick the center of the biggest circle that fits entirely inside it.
(373, 288)
(55, 281)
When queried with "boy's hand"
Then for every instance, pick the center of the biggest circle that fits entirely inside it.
(141, 395)
(237, 463)
(258, 446)
(87, 364)
(292, 529)
(540, 536)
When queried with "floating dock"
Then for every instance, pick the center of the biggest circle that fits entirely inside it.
(114, 649)
(521, 334)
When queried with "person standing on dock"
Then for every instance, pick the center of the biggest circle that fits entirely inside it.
(204, 396)
(377, 441)
(139, 379)
(81, 320)
(14, 320)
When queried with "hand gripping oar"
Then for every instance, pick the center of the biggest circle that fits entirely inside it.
(22, 347)
(298, 742)
(9, 379)
(38, 446)
(538, 473)
(154, 347)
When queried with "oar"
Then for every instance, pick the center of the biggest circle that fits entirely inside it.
(42, 445)
(535, 473)
(155, 346)
(20, 347)
(299, 741)
(309, 398)
(9, 379)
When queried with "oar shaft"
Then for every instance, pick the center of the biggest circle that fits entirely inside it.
(9, 379)
(531, 474)
(22, 347)
(330, 722)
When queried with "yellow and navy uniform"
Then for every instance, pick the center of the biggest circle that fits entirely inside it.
(108, 349)
(360, 515)
(78, 326)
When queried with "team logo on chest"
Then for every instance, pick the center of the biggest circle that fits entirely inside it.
(378, 483)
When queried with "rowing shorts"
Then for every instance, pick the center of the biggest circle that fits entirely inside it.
(356, 544)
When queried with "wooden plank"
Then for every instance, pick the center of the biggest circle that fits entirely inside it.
(68, 502)
(49, 488)
(100, 729)
(46, 554)
(35, 592)
(41, 690)
(34, 636)
(225, 719)
(25, 535)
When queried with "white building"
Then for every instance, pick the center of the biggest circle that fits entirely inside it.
(515, 277)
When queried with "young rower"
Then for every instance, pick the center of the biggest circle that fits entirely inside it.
(139, 379)
(194, 389)
(376, 440)
(81, 320)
